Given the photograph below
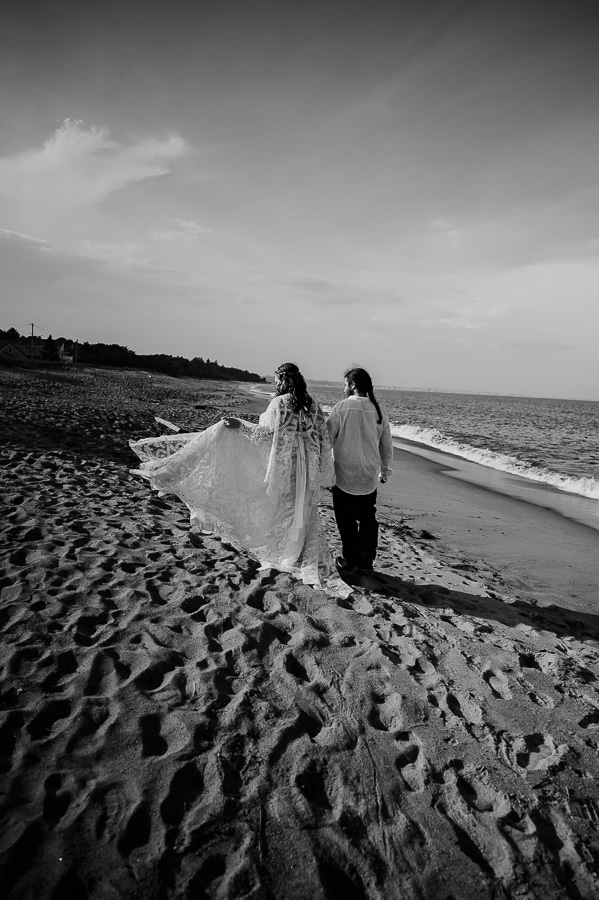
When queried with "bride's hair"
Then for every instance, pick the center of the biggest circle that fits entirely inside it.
(363, 383)
(292, 382)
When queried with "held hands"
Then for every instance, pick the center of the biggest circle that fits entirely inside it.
(382, 478)
(232, 422)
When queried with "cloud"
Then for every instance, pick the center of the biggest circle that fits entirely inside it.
(449, 230)
(30, 264)
(325, 291)
(338, 292)
(184, 232)
(78, 167)
(6, 235)
(536, 347)
(126, 253)
(50, 286)
(448, 318)
(314, 283)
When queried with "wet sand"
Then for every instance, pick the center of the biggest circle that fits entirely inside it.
(175, 723)
(542, 555)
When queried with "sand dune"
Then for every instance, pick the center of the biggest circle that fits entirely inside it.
(176, 723)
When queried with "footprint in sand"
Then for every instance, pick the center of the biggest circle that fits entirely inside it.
(310, 723)
(56, 799)
(538, 752)
(232, 760)
(261, 597)
(42, 725)
(498, 682)
(9, 733)
(306, 723)
(194, 607)
(423, 670)
(386, 711)
(64, 664)
(137, 831)
(106, 675)
(537, 697)
(23, 661)
(312, 783)
(359, 603)
(341, 734)
(464, 707)
(224, 680)
(90, 726)
(157, 675)
(591, 720)
(153, 744)
(294, 667)
(201, 885)
(341, 878)
(262, 635)
(475, 793)
(187, 784)
(22, 854)
(89, 629)
(411, 762)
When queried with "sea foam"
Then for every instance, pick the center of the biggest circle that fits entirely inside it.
(430, 437)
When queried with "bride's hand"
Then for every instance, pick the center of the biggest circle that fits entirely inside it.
(232, 422)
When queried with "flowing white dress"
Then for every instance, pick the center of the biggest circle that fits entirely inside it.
(257, 487)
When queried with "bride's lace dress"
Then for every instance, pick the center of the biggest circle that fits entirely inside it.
(257, 487)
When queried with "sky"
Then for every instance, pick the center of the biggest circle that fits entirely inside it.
(411, 186)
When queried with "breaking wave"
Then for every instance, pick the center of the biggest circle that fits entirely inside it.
(584, 486)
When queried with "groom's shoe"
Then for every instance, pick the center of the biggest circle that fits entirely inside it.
(344, 567)
(365, 566)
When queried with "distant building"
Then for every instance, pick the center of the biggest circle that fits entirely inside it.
(65, 355)
(16, 353)
(23, 352)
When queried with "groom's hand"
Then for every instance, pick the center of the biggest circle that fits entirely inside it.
(231, 422)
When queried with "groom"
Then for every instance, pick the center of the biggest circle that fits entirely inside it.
(362, 453)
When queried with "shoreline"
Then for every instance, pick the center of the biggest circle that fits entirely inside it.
(542, 542)
(541, 554)
(576, 507)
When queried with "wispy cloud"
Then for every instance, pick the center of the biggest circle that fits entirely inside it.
(449, 230)
(448, 318)
(182, 232)
(126, 253)
(63, 286)
(6, 235)
(78, 167)
(336, 292)
(536, 347)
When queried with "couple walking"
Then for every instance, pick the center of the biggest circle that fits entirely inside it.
(257, 486)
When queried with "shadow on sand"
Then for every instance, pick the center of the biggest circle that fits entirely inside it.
(562, 622)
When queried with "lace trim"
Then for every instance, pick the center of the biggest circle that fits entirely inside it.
(257, 486)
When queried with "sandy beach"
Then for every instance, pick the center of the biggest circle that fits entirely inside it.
(175, 723)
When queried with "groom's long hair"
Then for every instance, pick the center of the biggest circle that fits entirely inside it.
(294, 384)
(363, 383)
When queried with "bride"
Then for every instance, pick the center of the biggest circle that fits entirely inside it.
(256, 486)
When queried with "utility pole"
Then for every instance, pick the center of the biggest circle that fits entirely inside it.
(33, 325)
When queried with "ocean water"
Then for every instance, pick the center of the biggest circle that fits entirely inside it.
(538, 450)
(552, 442)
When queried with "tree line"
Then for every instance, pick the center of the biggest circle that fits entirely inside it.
(117, 356)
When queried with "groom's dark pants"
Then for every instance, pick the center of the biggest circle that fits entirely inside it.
(355, 515)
